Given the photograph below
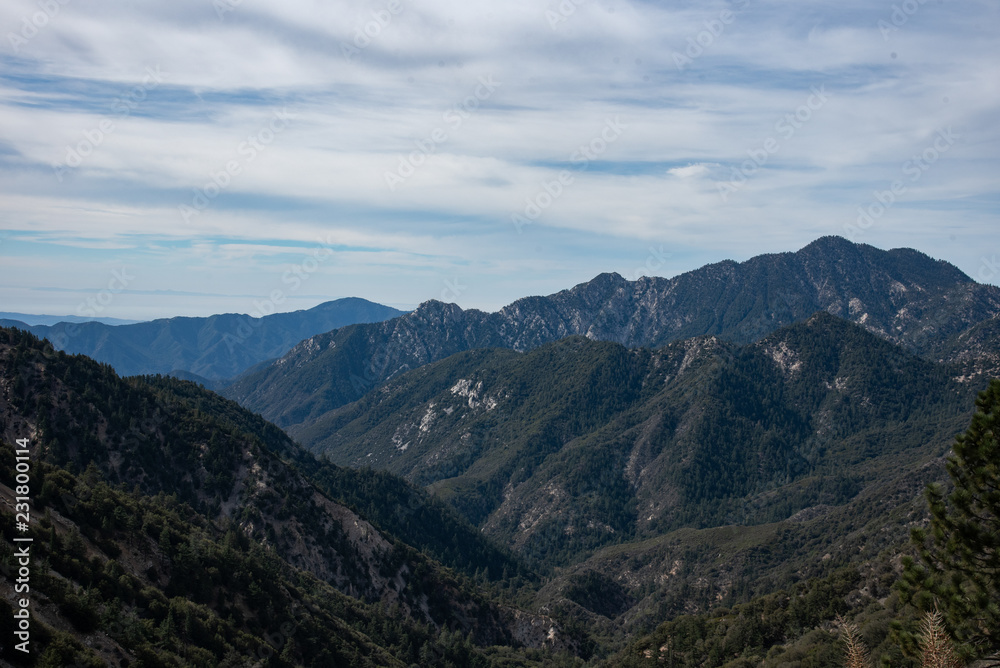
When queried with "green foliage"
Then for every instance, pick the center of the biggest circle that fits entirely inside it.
(590, 444)
(598, 593)
(211, 596)
(175, 519)
(390, 503)
(177, 532)
(788, 627)
(960, 557)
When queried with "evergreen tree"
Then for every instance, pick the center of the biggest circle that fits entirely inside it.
(960, 555)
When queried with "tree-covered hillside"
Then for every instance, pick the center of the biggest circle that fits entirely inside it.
(580, 443)
(170, 491)
(580, 503)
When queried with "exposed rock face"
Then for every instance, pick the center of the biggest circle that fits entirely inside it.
(537, 631)
(976, 351)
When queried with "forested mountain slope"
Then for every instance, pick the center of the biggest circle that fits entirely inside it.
(582, 443)
(174, 488)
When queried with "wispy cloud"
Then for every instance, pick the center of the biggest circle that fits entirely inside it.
(370, 93)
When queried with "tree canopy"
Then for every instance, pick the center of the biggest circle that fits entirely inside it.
(959, 569)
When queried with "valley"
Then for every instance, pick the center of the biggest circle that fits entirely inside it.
(623, 472)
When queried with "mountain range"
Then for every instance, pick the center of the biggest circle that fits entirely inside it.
(900, 295)
(701, 471)
(31, 319)
(741, 469)
(203, 349)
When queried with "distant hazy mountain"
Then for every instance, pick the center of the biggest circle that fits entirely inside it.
(901, 295)
(212, 348)
(30, 319)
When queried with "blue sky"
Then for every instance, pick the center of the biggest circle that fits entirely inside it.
(195, 157)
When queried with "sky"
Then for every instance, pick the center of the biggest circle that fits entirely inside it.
(193, 157)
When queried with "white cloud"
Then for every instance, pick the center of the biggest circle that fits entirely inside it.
(691, 171)
(686, 132)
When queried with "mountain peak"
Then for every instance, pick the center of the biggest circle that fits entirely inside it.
(832, 244)
(433, 307)
(601, 283)
(609, 277)
(909, 260)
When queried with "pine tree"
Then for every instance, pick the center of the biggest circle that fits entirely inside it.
(959, 567)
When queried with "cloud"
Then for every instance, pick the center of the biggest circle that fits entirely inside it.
(376, 93)
(692, 171)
